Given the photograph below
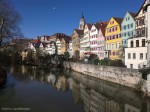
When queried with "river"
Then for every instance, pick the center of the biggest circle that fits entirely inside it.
(40, 90)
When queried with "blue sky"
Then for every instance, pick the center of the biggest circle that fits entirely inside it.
(46, 17)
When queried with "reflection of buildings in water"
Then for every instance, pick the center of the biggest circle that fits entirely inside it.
(51, 78)
(112, 106)
(148, 106)
(70, 81)
(76, 91)
(61, 83)
(85, 96)
(117, 96)
(129, 108)
(23, 69)
(96, 102)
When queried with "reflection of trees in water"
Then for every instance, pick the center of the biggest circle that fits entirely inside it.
(54, 76)
(97, 95)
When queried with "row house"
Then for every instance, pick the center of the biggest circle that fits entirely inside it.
(76, 36)
(113, 39)
(85, 40)
(70, 48)
(50, 44)
(136, 53)
(101, 40)
(93, 38)
(127, 30)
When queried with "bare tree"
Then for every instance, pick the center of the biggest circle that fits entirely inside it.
(9, 22)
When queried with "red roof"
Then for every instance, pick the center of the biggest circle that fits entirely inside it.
(35, 41)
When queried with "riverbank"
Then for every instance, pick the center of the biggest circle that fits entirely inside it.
(3, 76)
(123, 76)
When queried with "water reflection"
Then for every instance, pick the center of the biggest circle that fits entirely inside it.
(95, 95)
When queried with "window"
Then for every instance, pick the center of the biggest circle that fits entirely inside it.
(125, 34)
(131, 43)
(141, 55)
(143, 42)
(116, 28)
(128, 26)
(129, 56)
(146, 56)
(134, 56)
(137, 43)
(125, 41)
(124, 27)
(128, 33)
(112, 29)
(131, 66)
(128, 18)
(143, 32)
(113, 53)
(131, 25)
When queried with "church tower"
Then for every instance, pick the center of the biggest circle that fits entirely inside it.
(82, 22)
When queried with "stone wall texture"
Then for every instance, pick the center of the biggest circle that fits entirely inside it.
(124, 76)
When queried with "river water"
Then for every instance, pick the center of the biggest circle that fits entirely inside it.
(32, 89)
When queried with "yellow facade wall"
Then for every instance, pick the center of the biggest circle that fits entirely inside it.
(114, 44)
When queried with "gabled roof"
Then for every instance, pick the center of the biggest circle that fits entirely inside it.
(103, 25)
(79, 32)
(35, 41)
(89, 25)
(118, 20)
(132, 14)
(97, 25)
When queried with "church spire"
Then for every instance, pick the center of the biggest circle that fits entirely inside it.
(82, 15)
(82, 22)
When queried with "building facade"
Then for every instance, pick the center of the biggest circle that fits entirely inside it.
(136, 53)
(76, 36)
(113, 38)
(128, 27)
(101, 40)
(93, 38)
(85, 40)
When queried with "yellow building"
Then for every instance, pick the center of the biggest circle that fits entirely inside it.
(62, 43)
(77, 34)
(113, 38)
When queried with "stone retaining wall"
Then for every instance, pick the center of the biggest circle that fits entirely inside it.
(124, 76)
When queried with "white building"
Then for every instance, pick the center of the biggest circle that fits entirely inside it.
(136, 53)
(70, 49)
(85, 40)
(93, 38)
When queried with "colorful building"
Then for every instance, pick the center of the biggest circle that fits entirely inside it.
(128, 27)
(93, 38)
(85, 40)
(101, 40)
(136, 53)
(113, 39)
(77, 34)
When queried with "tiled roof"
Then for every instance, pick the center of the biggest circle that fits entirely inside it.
(97, 25)
(89, 25)
(119, 20)
(103, 26)
(35, 41)
(132, 14)
(79, 32)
